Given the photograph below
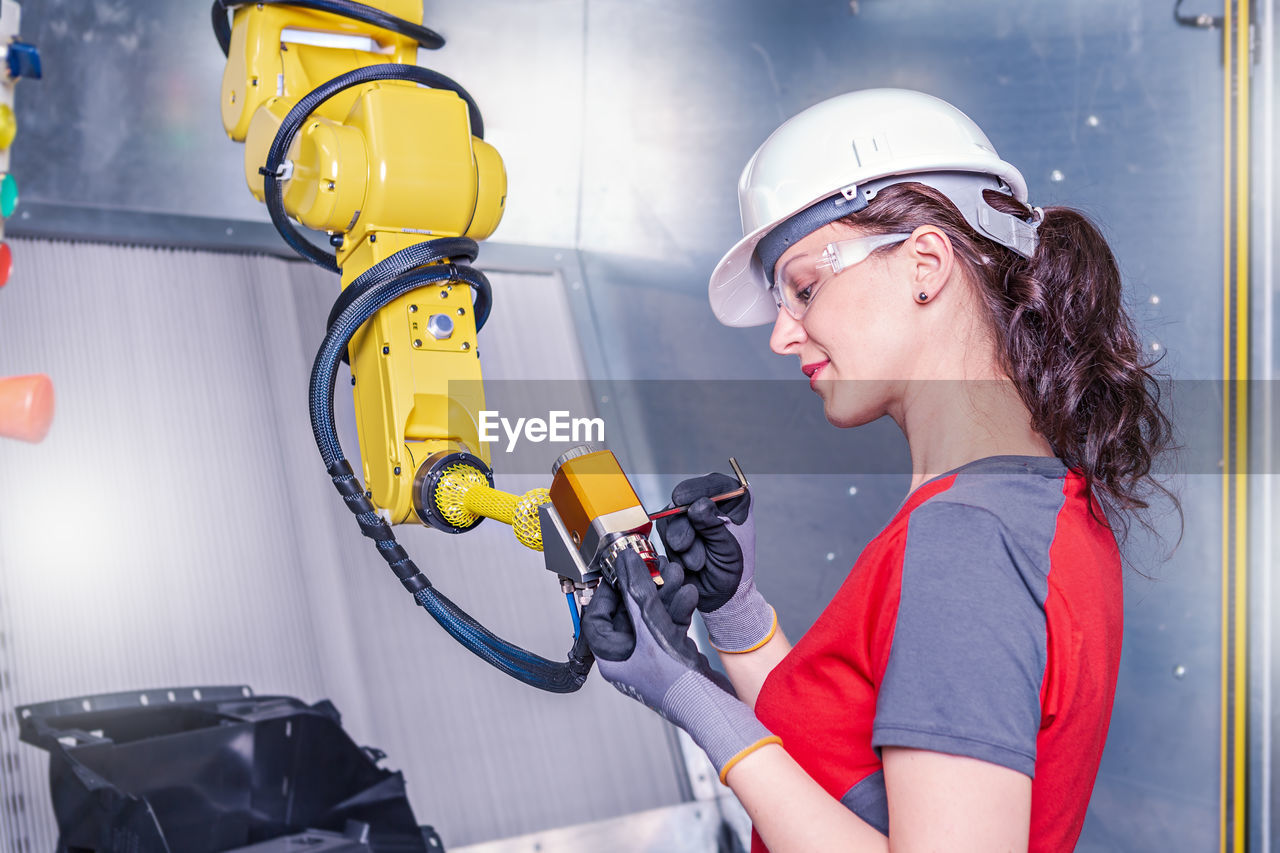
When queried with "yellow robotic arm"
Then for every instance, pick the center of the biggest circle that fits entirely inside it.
(346, 135)
(383, 165)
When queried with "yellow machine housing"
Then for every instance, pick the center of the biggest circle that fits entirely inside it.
(384, 165)
(591, 487)
(597, 515)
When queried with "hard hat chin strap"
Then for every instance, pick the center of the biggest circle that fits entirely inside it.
(964, 189)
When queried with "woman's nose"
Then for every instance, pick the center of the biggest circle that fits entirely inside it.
(788, 333)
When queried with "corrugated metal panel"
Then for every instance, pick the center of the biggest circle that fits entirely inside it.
(177, 527)
(143, 542)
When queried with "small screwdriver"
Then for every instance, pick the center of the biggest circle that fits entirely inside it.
(741, 490)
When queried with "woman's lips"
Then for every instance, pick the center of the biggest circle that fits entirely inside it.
(812, 370)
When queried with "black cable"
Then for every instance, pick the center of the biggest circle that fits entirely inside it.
(536, 671)
(324, 369)
(418, 255)
(418, 266)
(429, 39)
(308, 104)
(1202, 21)
(292, 124)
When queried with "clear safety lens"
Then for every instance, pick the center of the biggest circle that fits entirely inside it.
(797, 287)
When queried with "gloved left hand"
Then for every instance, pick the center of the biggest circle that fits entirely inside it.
(642, 647)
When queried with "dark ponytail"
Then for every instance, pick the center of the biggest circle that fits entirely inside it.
(1063, 335)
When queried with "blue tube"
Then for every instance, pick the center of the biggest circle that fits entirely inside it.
(573, 611)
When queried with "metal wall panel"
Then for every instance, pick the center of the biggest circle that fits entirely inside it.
(139, 544)
(624, 126)
(126, 117)
(177, 527)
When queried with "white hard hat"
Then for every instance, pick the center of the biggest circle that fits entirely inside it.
(832, 159)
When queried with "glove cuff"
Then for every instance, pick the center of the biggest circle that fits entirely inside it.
(725, 728)
(742, 624)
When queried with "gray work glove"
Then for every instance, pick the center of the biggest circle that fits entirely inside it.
(679, 599)
(717, 547)
(642, 647)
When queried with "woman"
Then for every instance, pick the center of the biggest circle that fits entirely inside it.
(956, 692)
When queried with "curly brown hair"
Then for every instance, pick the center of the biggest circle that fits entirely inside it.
(1063, 336)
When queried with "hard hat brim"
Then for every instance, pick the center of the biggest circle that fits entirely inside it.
(738, 290)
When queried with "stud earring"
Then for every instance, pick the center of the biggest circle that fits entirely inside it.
(922, 297)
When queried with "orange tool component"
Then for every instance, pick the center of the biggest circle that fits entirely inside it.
(26, 407)
(589, 487)
(6, 263)
(596, 502)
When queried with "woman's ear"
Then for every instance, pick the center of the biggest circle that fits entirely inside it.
(931, 258)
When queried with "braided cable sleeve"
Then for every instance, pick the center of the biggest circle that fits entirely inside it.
(554, 677)
(410, 259)
(273, 190)
(324, 369)
(455, 249)
(377, 287)
(311, 101)
(427, 38)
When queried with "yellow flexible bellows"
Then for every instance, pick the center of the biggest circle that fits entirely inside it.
(524, 517)
(464, 495)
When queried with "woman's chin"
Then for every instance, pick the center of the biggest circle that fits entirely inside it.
(849, 409)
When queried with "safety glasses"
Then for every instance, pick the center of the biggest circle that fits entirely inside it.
(799, 281)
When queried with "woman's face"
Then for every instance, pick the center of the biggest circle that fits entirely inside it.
(863, 338)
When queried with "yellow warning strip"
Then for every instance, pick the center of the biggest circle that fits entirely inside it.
(1240, 470)
(1233, 793)
(1224, 780)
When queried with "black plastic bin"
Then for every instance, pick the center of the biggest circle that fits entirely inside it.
(213, 770)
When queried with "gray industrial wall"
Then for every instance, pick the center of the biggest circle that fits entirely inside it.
(177, 527)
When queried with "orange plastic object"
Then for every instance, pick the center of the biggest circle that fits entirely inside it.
(588, 487)
(26, 407)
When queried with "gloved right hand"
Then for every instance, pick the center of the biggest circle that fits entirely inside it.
(717, 547)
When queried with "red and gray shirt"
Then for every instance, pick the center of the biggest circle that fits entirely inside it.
(985, 620)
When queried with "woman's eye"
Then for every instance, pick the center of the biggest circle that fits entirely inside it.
(804, 294)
